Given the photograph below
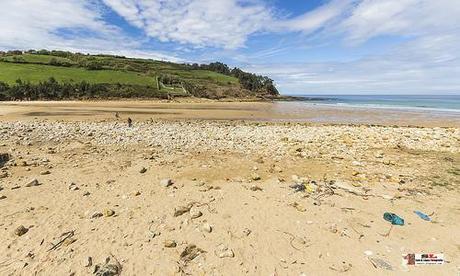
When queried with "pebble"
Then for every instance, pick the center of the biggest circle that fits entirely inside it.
(222, 251)
(181, 210)
(32, 183)
(255, 177)
(195, 213)
(88, 262)
(96, 215)
(166, 182)
(206, 227)
(142, 170)
(2, 197)
(255, 188)
(109, 212)
(45, 172)
(247, 231)
(170, 243)
(73, 187)
(21, 230)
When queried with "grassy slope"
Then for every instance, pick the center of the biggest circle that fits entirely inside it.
(116, 70)
(10, 72)
(39, 58)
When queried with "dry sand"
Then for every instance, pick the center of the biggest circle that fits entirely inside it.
(105, 182)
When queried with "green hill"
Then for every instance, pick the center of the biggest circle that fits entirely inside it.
(61, 75)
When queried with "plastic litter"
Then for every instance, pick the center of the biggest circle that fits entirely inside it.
(422, 215)
(393, 218)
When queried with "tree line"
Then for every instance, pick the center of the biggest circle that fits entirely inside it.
(249, 81)
(51, 89)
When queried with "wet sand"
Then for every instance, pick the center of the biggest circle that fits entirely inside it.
(212, 110)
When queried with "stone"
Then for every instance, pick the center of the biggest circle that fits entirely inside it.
(2, 197)
(21, 230)
(255, 177)
(73, 187)
(86, 193)
(88, 262)
(194, 213)
(170, 243)
(109, 212)
(222, 251)
(32, 183)
(181, 210)
(166, 182)
(255, 188)
(247, 231)
(96, 215)
(142, 170)
(206, 227)
(45, 172)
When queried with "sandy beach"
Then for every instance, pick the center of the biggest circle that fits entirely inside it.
(213, 188)
(189, 108)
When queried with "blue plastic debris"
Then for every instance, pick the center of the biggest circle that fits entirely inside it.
(393, 218)
(422, 215)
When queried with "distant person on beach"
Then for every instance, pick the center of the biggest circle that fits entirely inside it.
(130, 122)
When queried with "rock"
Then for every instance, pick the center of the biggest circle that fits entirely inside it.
(142, 170)
(88, 262)
(255, 188)
(194, 213)
(170, 243)
(73, 187)
(181, 210)
(137, 193)
(247, 231)
(2, 197)
(109, 212)
(333, 228)
(222, 251)
(368, 253)
(86, 193)
(21, 230)
(166, 182)
(255, 177)
(108, 268)
(96, 215)
(206, 227)
(45, 172)
(299, 207)
(32, 183)
(190, 253)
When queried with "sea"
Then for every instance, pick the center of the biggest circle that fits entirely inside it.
(437, 103)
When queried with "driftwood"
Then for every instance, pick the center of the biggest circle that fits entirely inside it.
(64, 237)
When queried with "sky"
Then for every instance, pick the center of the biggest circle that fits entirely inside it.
(306, 46)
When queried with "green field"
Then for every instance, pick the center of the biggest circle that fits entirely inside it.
(34, 73)
(34, 58)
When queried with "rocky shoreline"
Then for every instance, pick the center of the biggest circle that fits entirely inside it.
(224, 197)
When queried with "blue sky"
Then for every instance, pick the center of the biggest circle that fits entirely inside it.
(306, 46)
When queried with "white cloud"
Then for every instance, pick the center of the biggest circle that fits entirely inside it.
(372, 18)
(315, 19)
(224, 23)
(73, 25)
(428, 61)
